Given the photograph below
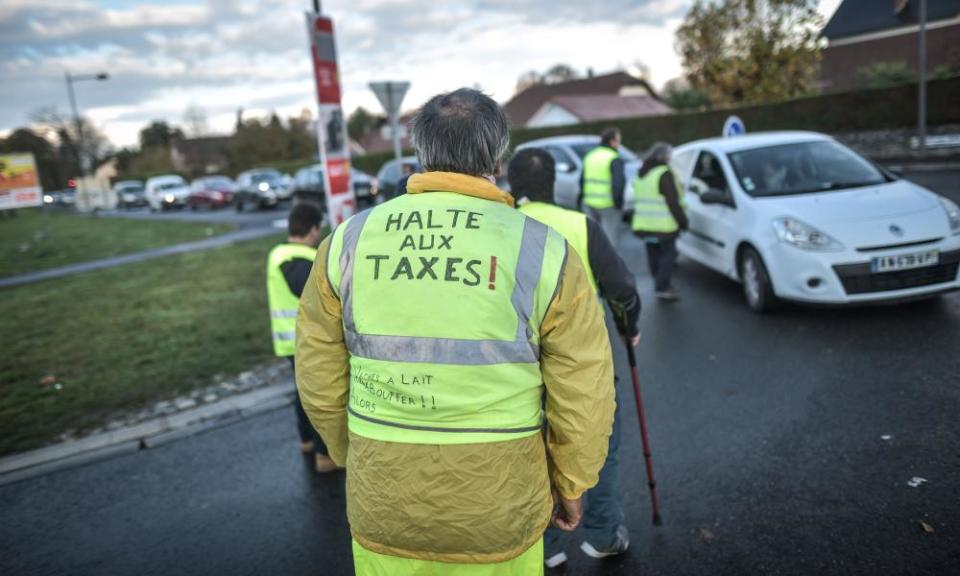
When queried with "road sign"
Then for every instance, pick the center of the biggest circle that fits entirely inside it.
(19, 182)
(390, 95)
(331, 129)
(733, 127)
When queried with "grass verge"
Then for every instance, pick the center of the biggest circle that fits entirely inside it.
(35, 239)
(121, 338)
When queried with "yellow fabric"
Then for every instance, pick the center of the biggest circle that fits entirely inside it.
(571, 224)
(650, 210)
(470, 503)
(284, 303)
(459, 183)
(597, 179)
(368, 563)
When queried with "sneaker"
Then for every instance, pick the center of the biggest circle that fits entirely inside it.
(667, 296)
(323, 464)
(306, 447)
(619, 546)
(556, 560)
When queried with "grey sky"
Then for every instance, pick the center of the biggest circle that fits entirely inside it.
(220, 55)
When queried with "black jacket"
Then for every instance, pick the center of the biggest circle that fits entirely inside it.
(614, 280)
(295, 272)
(618, 182)
(668, 189)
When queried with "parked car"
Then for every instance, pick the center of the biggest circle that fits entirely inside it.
(393, 171)
(130, 193)
(260, 188)
(210, 192)
(308, 186)
(799, 216)
(167, 191)
(568, 152)
(66, 197)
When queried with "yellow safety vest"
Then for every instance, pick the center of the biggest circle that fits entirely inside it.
(572, 225)
(650, 210)
(597, 180)
(443, 295)
(283, 302)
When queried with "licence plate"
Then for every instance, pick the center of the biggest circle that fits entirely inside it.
(905, 261)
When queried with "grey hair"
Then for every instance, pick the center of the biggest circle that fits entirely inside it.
(462, 131)
(659, 152)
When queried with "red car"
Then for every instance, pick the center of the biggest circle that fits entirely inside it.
(210, 192)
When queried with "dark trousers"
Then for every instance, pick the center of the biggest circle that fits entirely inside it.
(661, 258)
(307, 432)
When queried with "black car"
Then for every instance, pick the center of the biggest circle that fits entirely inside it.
(308, 187)
(130, 193)
(261, 188)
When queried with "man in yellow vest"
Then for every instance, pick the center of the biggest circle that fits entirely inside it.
(658, 216)
(288, 267)
(532, 174)
(602, 183)
(451, 355)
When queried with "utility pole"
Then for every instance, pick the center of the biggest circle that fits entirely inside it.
(922, 79)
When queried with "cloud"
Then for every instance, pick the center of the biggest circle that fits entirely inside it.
(225, 54)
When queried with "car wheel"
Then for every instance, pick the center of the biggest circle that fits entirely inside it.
(757, 288)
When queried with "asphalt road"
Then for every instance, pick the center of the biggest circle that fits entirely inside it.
(243, 220)
(783, 444)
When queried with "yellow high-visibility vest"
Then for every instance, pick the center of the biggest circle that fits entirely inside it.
(283, 302)
(597, 180)
(650, 210)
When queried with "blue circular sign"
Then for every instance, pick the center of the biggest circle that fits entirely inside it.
(733, 127)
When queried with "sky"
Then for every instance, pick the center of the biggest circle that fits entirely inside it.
(165, 56)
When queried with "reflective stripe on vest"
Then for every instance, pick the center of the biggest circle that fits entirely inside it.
(571, 224)
(442, 297)
(597, 180)
(650, 210)
(283, 302)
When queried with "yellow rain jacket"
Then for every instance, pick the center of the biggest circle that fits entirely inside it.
(469, 503)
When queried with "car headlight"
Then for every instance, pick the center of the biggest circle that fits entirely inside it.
(374, 187)
(804, 236)
(47, 199)
(953, 214)
(170, 198)
(263, 187)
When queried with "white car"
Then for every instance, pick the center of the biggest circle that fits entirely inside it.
(167, 191)
(799, 216)
(568, 153)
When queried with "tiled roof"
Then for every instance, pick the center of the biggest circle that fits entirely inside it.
(603, 106)
(855, 17)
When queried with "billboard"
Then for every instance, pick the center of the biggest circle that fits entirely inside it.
(19, 182)
(331, 127)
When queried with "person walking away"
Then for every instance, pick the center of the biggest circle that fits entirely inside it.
(532, 175)
(658, 216)
(435, 331)
(288, 267)
(602, 183)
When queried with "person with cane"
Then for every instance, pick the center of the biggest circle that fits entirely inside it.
(531, 174)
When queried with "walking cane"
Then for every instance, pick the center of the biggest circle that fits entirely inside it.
(647, 456)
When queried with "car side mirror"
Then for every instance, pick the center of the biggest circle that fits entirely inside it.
(714, 196)
(564, 167)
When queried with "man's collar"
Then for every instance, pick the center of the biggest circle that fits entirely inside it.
(458, 184)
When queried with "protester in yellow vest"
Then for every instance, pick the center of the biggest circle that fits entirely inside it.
(602, 183)
(658, 216)
(288, 267)
(451, 355)
(532, 174)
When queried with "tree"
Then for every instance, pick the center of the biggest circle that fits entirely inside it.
(58, 128)
(360, 123)
(746, 51)
(680, 96)
(160, 134)
(554, 75)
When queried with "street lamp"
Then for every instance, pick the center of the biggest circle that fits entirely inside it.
(76, 114)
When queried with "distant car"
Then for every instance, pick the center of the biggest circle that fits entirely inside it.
(210, 192)
(308, 186)
(393, 171)
(130, 193)
(65, 197)
(167, 191)
(261, 188)
(568, 153)
(799, 216)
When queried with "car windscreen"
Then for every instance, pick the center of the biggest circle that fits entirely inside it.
(264, 177)
(129, 188)
(583, 149)
(217, 183)
(169, 185)
(802, 168)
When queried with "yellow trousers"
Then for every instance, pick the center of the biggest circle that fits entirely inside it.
(367, 563)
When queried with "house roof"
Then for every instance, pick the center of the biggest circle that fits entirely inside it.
(603, 106)
(855, 17)
(524, 105)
